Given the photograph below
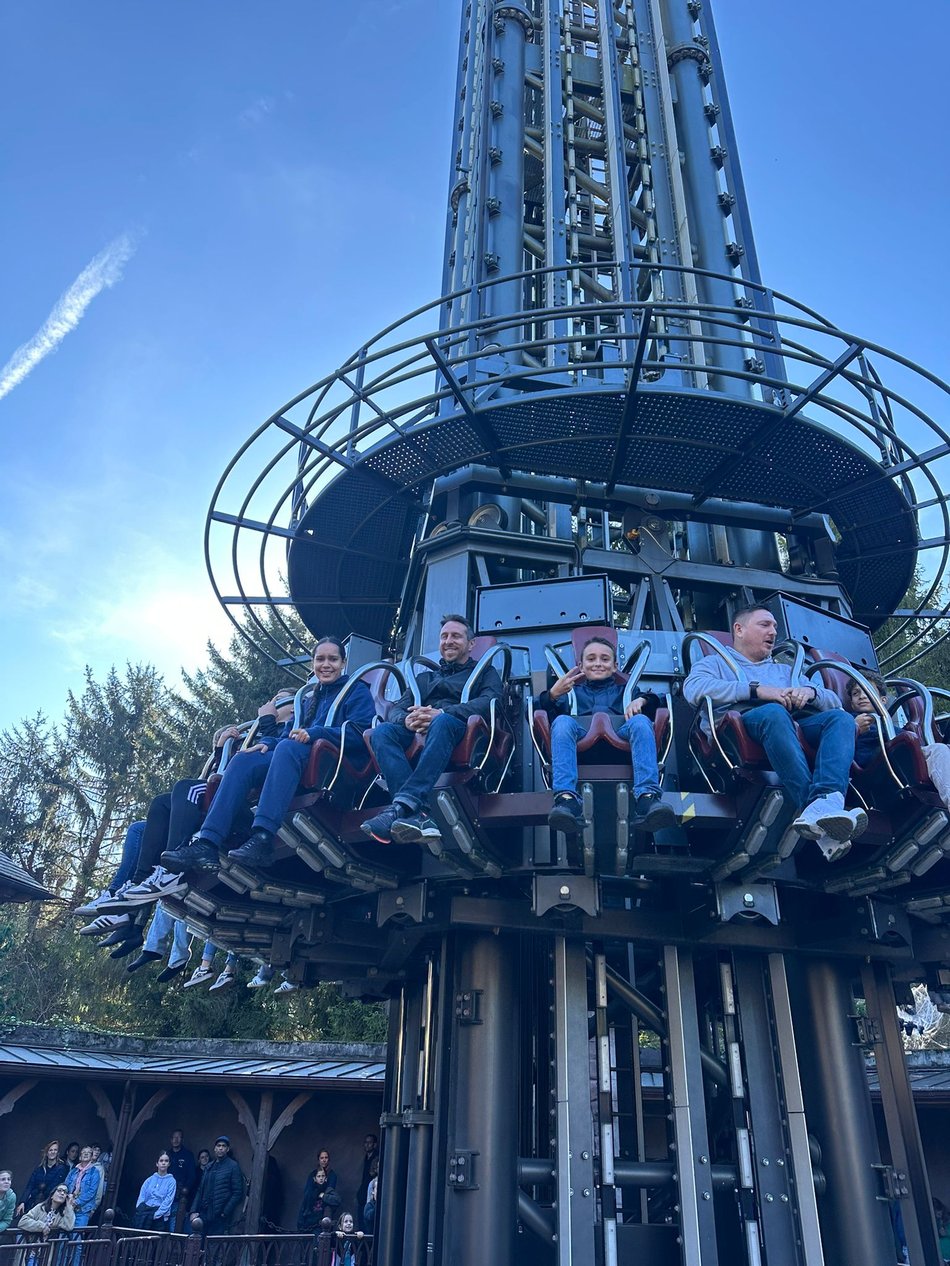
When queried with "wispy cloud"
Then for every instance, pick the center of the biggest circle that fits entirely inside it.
(104, 271)
(257, 111)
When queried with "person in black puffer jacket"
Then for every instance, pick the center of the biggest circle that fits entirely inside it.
(220, 1191)
(597, 689)
(441, 720)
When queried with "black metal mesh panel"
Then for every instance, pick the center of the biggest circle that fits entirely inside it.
(675, 443)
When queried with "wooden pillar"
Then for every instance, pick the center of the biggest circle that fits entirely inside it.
(119, 1144)
(259, 1154)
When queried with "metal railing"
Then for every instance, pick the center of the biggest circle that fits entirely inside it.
(767, 350)
(111, 1245)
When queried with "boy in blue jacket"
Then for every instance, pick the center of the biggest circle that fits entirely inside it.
(596, 690)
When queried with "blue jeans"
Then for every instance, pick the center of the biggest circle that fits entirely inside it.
(638, 731)
(410, 786)
(159, 929)
(278, 775)
(130, 855)
(830, 733)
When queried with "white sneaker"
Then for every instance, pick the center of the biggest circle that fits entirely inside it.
(833, 850)
(103, 924)
(806, 823)
(834, 819)
(285, 987)
(264, 976)
(83, 912)
(200, 976)
(160, 883)
(226, 978)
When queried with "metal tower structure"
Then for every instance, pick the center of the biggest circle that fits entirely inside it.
(646, 1050)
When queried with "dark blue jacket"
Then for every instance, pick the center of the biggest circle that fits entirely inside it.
(42, 1182)
(220, 1191)
(358, 708)
(184, 1170)
(596, 696)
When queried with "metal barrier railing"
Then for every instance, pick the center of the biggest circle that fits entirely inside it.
(111, 1245)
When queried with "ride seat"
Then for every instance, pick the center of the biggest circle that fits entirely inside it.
(486, 742)
(601, 739)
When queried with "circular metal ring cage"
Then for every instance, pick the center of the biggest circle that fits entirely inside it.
(764, 402)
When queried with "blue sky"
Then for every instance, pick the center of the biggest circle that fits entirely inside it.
(240, 193)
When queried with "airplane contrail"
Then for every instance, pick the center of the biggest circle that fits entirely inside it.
(105, 270)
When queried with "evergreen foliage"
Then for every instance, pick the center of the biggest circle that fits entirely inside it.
(69, 792)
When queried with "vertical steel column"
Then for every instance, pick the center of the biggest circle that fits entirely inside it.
(855, 1227)
(900, 1116)
(746, 1177)
(512, 27)
(693, 1161)
(774, 1173)
(392, 1177)
(795, 1121)
(616, 154)
(419, 1119)
(555, 188)
(574, 1127)
(482, 1177)
(608, 1193)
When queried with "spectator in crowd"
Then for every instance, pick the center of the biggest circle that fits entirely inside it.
(71, 1155)
(7, 1199)
(596, 687)
(347, 1241)
(52, 1216)
(204, 1160)
(370, 1156)
(101, 1159)
(153, 1209)
(183, 1168)
(84, 1183)
(275, 765)
(49, 1173)
(369, 1209)
(440, 721)
(220, 1191)
(315, 1203)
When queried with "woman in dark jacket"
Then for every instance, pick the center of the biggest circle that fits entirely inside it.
(315, 1204)
(278, 763)
(49, 1173)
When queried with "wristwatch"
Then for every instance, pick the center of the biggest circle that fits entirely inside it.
(753, 690)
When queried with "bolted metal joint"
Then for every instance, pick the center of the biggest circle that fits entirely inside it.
(468, 1006)
(461, 1176)
(734, 252)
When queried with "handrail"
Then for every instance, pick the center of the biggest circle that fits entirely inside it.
(799, 660)
(862, 681)
(358, 676)
(634, 667)
(915, 687)
(408, 667)
(499, 648)
(713, 644)
(298, 701)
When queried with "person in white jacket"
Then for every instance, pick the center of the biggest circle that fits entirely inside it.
(770, 701)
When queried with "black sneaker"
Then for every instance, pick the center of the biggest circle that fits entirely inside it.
(257, 850)
(567, 814)
(169, 973)
(379, 827)
(200, 854)
(143, 960)
(652, 814)
(415, 828)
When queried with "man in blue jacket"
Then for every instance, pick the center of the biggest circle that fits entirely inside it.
(596, 689)
(278, 763)
(440, 720)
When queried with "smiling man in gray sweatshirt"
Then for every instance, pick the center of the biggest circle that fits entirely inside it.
(768, 700)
